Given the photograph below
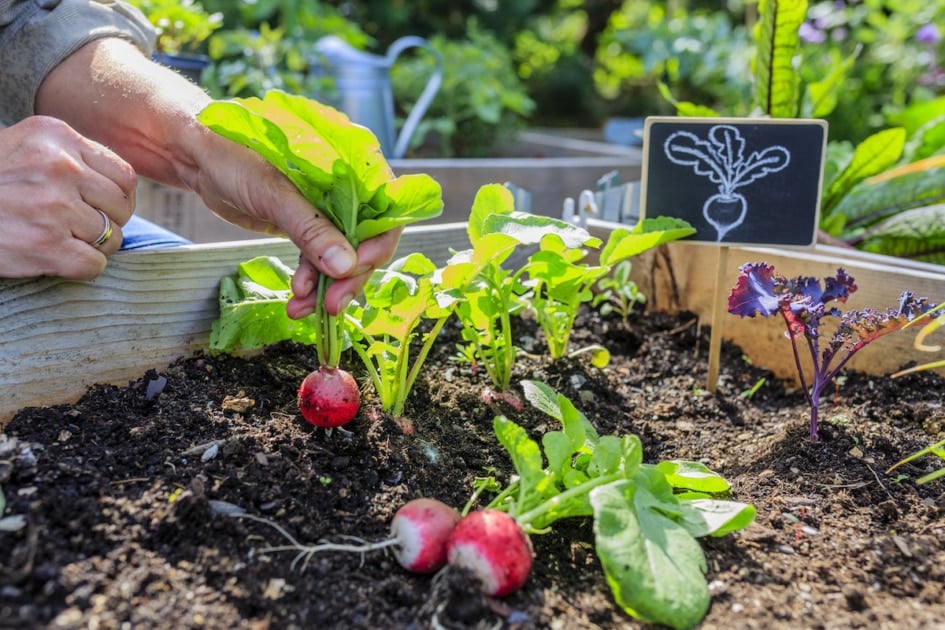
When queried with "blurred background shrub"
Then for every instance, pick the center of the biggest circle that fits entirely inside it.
(576, 63)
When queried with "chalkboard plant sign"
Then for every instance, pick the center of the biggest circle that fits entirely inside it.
(736, 180)
(885, 194)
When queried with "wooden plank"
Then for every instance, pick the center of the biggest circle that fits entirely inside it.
(147, 309)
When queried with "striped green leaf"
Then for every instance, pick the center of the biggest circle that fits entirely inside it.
(874, 155)
(878, 199)
(918, 234)
(777, 83)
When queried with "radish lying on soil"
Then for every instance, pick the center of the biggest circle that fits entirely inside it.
(493, 546)
(419, 533)
(329, 397)
(422, 530)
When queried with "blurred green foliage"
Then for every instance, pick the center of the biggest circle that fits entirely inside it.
(481, 103)
(584, 61)
(892, 67)
(182, 25)
(703, 56)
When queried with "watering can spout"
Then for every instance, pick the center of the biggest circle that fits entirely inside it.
(363, 88)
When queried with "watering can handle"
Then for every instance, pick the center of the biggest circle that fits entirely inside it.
(426, 97)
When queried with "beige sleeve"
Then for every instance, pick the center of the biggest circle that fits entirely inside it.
(35, 35)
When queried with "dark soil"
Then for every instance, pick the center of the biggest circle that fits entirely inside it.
(121, 531)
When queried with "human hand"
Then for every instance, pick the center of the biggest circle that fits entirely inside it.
(372, 254)
(148, 115)
(244, 189)
(56, 190)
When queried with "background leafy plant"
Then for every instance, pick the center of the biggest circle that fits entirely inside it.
(183, 25)
(267, 45)
(702, 54)
(482, 102)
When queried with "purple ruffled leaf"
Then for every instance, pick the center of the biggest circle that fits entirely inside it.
(754, 291)
(802, 301)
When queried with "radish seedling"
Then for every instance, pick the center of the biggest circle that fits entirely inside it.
(398, 300)
(489, 294)
(339, 168)
(419, 533)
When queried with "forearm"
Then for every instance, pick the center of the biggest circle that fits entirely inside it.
(110, 92)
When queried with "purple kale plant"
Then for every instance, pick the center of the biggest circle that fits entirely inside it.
(803, 303)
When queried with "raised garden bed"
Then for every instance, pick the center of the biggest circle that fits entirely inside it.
(117, 484)
(160, 305)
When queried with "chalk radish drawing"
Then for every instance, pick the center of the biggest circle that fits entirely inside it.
(721, 158)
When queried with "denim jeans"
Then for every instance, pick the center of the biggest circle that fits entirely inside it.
(140, 233)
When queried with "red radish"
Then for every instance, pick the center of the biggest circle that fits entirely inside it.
(329, 397)
(419, 532)
(422, 528)
(494, 547)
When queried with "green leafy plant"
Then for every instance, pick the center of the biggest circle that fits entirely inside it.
(937, 449)
(617, 293)
(252, 308)
(898, 211)
(559, 284)
(398, 300)
(481, 103)
(338, 167)
(182, 25)
(647, 517)
(489, 294)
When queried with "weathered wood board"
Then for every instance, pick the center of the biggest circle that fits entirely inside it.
(151, 307)
(147, 309)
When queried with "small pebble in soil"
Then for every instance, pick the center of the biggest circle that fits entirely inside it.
(855, 598)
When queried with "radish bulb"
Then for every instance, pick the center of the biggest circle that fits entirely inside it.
(493, 546)
(419, 533)
(422, 528)
(329, 397)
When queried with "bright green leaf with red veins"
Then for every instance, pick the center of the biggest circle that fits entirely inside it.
(336, 165)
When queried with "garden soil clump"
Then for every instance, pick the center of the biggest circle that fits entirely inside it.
(126, 494)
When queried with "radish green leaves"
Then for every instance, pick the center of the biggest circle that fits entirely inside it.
(337, 166)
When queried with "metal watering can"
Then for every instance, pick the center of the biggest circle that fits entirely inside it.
(364, 92)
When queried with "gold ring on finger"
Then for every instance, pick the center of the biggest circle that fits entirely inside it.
(106, 231)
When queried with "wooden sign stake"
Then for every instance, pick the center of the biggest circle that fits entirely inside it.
(718, 310)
